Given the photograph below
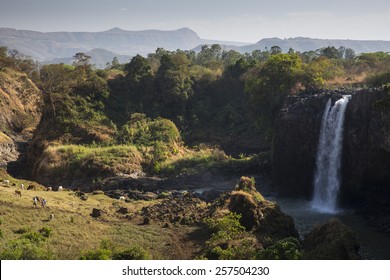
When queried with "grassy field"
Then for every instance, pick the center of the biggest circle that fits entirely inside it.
(74, 231)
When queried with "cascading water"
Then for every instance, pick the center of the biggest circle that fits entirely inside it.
(327, 176)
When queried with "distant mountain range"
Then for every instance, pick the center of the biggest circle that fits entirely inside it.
(302, 44)
(60, 47)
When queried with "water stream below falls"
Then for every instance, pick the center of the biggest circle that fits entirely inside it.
(374, 244)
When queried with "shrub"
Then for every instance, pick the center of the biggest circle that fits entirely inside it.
(285, 249)
(229, 239)
(133, 253)
(46, 232)
(103, 253)
(244, 249)
(23, 249)
(225, 228)
(142, 131)
(379, 79)
(22, 230)
(27, 247)
(99, 254)
(34, 237)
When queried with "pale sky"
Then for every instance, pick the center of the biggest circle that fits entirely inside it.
(232, 20)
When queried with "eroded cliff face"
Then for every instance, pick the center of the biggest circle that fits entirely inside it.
(295, 143)
(366, 151)
(366, 145)
(20, 111)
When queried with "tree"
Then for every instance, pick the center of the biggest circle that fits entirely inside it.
(5, 61)
(172, 85)
(270, 83)
(55, 79)
(231, 57)
(350, 53)
(81, 59)
(275, 50)
(210, 56)
(329, 52)
(137, 69)
(115, 63)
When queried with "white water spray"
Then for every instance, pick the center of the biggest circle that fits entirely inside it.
(327, 176)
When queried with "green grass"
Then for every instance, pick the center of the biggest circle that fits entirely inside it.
(73, 231)
(206, 159)
(192, 161)
(72, 161)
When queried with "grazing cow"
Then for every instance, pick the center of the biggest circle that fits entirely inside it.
(17, 192)
(6, 182)
(49, 189)
(60, 188)
(22, 186)
(122, 198)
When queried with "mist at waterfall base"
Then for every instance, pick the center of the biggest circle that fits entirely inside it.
(328, 162)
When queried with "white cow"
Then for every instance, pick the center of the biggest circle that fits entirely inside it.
(60, 188)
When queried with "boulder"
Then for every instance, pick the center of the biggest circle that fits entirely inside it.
(331, 241)
(96, 213)
(244, 204)
(123, 210)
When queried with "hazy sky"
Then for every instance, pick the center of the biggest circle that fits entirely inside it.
(234, 20)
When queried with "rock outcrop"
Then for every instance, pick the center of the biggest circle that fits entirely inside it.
(366, 151)
(331, 241)
(20, 111)
(295, 143)
(8, 149)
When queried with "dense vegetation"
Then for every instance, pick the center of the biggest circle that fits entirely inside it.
(214, 96)
(160, 102)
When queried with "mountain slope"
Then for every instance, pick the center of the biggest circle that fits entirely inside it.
(46, 46)
(307, 44)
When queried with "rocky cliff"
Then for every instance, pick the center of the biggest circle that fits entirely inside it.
(366, 146)
(295, 143)
(366, 151)
(20, 111)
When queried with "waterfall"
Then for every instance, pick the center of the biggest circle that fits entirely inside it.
(328, 162)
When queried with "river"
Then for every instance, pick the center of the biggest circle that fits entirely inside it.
(374, 244)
